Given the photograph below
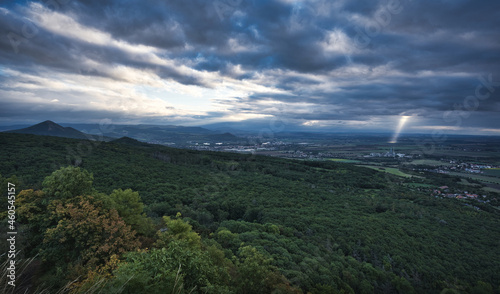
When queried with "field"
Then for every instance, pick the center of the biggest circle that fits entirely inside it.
(477, 177)
(464, 181)
(419, 185)
(344, 160)
(429, 162)
(390, 170)
(494, 172)
(491, 189)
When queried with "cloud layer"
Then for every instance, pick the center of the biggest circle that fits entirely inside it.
(335, 65)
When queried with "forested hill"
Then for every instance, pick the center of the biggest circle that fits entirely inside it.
(326, 227)
(50, 128)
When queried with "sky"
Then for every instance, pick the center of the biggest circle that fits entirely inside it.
(347, 65)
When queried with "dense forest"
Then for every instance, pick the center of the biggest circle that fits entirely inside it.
(130, 217)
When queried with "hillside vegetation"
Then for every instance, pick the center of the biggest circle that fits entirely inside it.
(122, 216)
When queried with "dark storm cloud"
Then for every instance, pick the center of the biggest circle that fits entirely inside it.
(292, 32)
(430, 52)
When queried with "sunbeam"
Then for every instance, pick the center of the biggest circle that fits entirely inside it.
(401, 124)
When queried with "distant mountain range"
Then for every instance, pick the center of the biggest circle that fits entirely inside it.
(12, 127)
(117, 130)
(169, 134)
(160, 134)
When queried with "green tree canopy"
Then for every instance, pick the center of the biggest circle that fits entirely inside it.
(178, 268)
(177, 229)
(68, 182)
(129, 206)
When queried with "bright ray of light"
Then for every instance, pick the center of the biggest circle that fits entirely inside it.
(401, 124)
